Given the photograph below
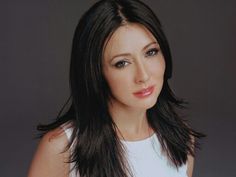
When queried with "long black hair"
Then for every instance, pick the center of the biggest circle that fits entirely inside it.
(97, 149)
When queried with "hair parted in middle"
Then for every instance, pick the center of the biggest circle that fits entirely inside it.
(98, 150)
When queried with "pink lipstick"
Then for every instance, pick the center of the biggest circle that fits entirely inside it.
(144, 92)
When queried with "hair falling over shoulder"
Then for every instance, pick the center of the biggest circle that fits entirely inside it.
(98, 150)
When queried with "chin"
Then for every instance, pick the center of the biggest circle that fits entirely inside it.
(147, 105)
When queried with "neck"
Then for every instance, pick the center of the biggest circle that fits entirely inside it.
(131, 123)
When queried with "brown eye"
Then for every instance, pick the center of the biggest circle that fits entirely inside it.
(121, 64)
(151, 52)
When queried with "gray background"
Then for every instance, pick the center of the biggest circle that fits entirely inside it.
(35, 45)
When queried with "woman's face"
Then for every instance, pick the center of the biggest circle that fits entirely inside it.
(133, 66)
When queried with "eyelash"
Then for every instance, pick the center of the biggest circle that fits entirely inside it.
(152, 50)
(121, 64)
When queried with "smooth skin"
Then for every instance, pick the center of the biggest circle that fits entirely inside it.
(132, 61)
(49, 161)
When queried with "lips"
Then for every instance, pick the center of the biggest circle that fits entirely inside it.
(144, 92)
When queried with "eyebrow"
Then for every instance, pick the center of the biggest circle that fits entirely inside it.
(128, 54)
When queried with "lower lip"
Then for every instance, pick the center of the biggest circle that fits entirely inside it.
(145, 94)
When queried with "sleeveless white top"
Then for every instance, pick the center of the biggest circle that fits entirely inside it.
(145, 159)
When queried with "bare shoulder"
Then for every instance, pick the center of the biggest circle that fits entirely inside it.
(190, 162)
(50, 159)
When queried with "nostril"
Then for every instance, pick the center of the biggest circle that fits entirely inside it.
(142, 74)
(142, 77)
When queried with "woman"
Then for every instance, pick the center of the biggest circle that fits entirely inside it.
(122, 119)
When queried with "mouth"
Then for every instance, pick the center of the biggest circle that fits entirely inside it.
(144, 92)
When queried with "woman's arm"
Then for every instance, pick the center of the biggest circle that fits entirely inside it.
(190, 163)
(49, 159)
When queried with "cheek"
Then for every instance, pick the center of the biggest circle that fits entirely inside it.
(117, 81)
(157, 68)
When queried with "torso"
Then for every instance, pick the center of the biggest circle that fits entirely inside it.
(145, 159)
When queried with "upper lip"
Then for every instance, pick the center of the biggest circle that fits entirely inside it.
(144, 90)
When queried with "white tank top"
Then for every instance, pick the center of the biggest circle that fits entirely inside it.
(145, 159)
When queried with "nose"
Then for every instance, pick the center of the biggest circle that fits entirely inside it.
(142, 74)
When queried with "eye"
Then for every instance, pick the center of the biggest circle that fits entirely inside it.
(121, 64)
(151, 52)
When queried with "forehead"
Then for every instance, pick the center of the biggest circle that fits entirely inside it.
(127, 39)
